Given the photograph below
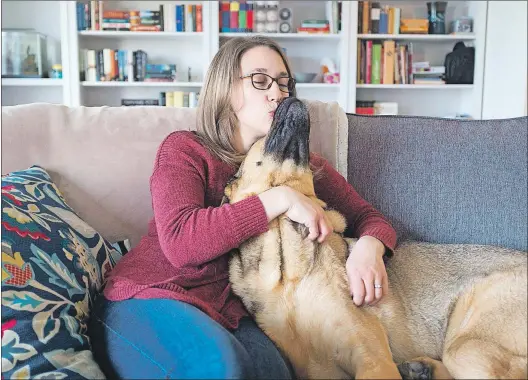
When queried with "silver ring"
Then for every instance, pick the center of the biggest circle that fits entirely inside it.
(377, 286)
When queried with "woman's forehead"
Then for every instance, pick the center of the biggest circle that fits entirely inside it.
(262, 59)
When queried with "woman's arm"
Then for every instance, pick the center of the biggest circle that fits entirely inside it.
(191, 234)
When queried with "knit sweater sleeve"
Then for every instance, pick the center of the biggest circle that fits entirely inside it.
(362, 218)
(189, 233)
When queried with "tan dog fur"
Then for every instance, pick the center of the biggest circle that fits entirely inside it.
(463, 305)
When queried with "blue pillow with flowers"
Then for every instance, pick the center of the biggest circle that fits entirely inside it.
(53, 267)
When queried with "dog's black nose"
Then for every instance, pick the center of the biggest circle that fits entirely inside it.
(289, 135)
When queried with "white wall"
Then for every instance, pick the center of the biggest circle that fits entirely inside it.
(505, 79)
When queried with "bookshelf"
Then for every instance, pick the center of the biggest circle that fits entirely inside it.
(424, 99)
(196, 50)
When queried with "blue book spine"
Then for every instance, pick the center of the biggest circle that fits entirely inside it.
(226, 19)
(80, 17)
(384, 23)
(179, 18)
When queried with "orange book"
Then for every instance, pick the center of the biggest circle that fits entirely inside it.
(199, 26)
(366, 17)
(391, 21)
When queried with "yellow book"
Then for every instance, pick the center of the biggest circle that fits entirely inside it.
(169, 99)
(389, 49)
(391, 21)
(178, 98)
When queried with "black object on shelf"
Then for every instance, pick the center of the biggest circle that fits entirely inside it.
(460, 64)
(436, 15)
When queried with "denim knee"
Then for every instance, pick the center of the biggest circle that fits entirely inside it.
(160, 338)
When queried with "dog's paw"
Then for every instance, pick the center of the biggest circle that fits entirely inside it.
(415, 370)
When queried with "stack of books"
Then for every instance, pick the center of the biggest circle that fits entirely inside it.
(160, 73)
(146, 21)
(424, 73)
(371, 107)
(314, 27)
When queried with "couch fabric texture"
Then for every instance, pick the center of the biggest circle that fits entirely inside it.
(444, 180)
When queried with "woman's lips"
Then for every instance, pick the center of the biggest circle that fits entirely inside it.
(272, 113)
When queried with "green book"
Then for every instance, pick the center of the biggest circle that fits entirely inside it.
(376, 64)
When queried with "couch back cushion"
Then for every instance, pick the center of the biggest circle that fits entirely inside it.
(101, 158)
(444, 180)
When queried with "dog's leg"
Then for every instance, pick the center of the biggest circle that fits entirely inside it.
(478, 359)
(424, 368)
(365, 349)
(487, 332)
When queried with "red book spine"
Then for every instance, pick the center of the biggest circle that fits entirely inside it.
(233, 24)
(249, 17)
(369, 62)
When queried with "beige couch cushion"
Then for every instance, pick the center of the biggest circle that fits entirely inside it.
(101, 158)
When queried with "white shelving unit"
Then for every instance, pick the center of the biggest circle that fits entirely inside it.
(47, 18)
(33, 82)
(305, 53)
(421, 99)
(418, 37)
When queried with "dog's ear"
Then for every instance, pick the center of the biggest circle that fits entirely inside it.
(239, 172)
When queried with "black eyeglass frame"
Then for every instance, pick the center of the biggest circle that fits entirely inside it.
(290, 79)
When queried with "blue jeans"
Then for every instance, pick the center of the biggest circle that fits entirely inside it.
(162, 338)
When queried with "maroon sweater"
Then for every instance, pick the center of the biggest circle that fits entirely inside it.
(183, 256)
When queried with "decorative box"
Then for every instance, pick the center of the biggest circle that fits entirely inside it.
(23, 54)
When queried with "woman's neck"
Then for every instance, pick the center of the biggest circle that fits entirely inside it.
(244, 140)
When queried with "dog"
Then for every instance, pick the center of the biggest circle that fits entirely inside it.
(452, 311)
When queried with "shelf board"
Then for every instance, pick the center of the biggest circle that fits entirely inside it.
(318, 85)
(415, 86)
(141, 84)
(126, 34)
(419, 37)
(31, 82)
(328, 36)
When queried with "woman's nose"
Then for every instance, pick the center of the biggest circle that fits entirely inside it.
(274, 92)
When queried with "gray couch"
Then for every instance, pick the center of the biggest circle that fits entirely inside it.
(445, 181)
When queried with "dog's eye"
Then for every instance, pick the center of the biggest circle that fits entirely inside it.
(259, 163)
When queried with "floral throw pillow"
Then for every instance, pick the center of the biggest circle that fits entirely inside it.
(53, 267)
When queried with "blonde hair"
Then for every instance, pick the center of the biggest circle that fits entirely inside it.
(216, 119)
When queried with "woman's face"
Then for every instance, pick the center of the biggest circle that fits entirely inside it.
(255, 107)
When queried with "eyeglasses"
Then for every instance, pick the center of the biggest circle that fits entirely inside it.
(263, 81)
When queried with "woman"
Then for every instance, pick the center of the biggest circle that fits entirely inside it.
(168, 309)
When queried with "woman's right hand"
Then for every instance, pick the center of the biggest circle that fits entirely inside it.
(305, 211)
(299, 208)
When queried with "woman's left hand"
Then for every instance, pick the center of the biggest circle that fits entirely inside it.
(365, 268)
